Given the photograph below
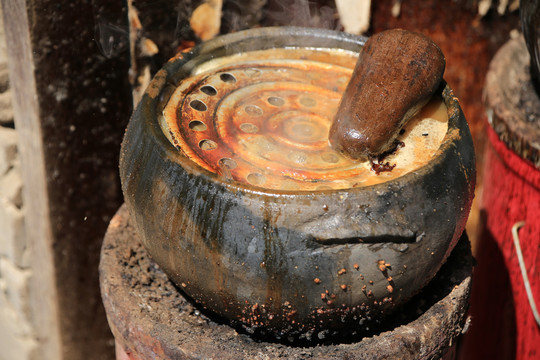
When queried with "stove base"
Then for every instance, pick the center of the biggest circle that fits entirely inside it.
(150, 319)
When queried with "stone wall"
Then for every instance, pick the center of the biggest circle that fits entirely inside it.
(16, 333)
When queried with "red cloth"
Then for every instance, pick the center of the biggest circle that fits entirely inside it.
(503, 325)
(512, 194)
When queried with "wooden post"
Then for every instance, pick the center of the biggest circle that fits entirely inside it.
(72, 102)
(44, 308)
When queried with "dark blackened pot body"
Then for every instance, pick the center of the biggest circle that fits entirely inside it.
(292, 263)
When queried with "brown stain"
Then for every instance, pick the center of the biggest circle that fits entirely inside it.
(202, 269)
(150, 341)
(214, 212)
(155, 87)
(273, 260)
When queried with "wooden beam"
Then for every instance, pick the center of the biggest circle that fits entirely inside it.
(68, 68)
(43, 295)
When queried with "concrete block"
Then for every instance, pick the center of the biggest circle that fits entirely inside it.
(11, 186)
(4, 72)
(3, 293)
(16, 343)
(8, 148)
(16, 289)
(13, 242)
(6, 107)
(23, 327)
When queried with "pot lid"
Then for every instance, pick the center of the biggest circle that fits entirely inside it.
(262, 118)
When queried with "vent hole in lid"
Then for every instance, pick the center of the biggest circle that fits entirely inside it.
(297, 157)
(253, 72)
(249, 128)
(209, 90)
(197, 125)
(308, 101)
(256, 179)
(228, 78)
(227, 163)
(198, 105)
(276, 101)
(253, 110)
(330, 158)
(207, 145)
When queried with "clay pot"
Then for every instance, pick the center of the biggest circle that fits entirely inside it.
(292, 263)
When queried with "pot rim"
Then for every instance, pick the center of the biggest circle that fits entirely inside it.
(205, 51)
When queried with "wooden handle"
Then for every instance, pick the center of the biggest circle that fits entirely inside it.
(396, 74)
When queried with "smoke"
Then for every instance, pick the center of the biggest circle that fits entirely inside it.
(111, 39)
(304, 13)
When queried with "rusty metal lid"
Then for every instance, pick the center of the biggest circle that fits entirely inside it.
(513, 104)
(263, 117)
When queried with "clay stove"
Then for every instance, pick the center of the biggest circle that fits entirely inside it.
(151, 318)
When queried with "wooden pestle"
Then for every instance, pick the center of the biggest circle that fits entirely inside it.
(396, 75)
